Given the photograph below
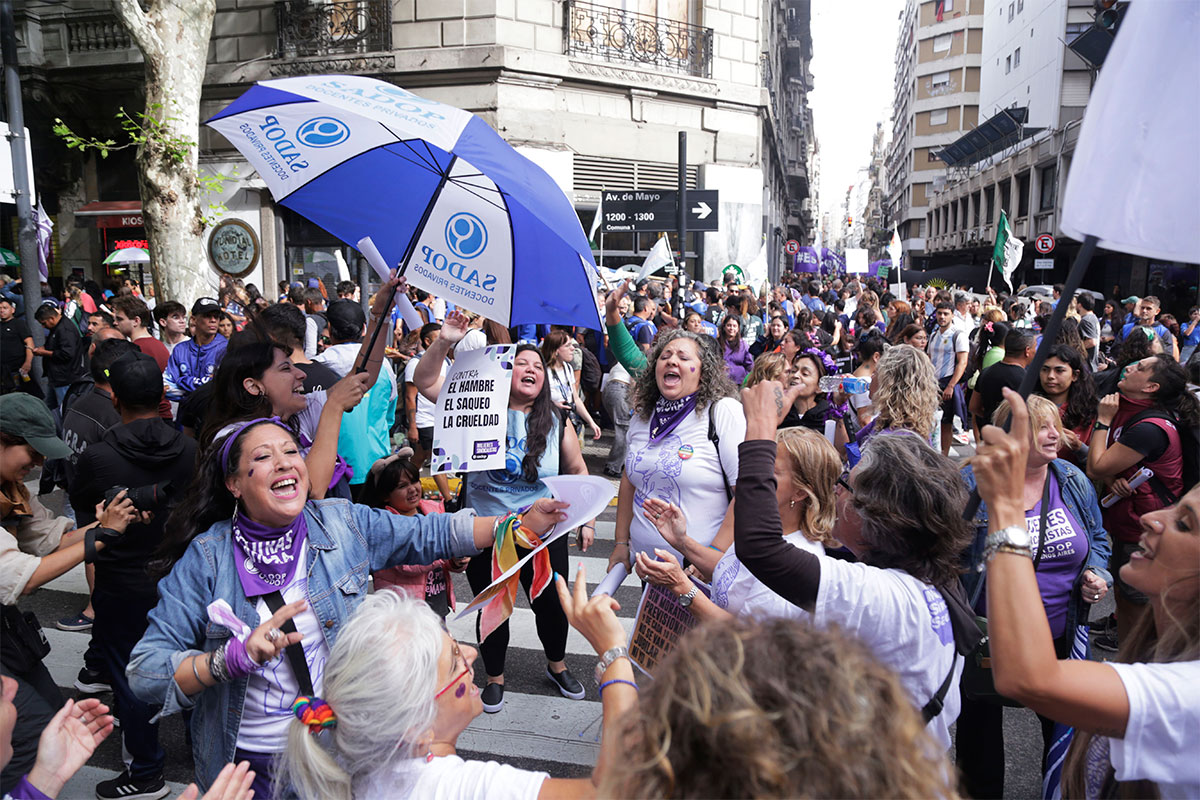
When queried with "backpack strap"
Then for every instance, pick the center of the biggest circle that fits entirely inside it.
(1165, 495)
(715, 438)
(294, 652)
(936, 703)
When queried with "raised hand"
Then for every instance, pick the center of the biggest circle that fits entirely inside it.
(595, 618)
(662, 572)
(68, 741)
(381, 305)
(348, 392)
(999, 460)
(765, 406)
(455, 327)
(668, 518)
(268, 639)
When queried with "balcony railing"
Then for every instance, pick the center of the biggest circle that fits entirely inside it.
(631, 38)
(91, 32)
(339, 26)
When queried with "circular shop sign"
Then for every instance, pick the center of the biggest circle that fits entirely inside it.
(233, 247)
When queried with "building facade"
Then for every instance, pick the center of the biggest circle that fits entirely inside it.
(938, 56)
(595, 94)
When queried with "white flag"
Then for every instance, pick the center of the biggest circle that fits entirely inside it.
(1135, 178)
(893, 248)
(1006, 254)
(596, 220)
(45, 226)
(660, 256)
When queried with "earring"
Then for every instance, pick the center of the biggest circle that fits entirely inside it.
(236, 508)
(791, 504)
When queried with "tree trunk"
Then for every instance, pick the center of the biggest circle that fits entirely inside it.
(173, 37)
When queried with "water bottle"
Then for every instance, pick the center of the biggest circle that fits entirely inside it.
(848, 384)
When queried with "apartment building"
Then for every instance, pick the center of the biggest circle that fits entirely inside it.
(938, 55)
(594, 93)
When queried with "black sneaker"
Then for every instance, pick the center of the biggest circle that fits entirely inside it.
(1103, 624)
(566, 683)
(1107, 641)
(89, 681)
(124, 787)
(492, 697)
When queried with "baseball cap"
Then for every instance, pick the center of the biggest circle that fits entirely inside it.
(1133, 298)
(206, 305)
(314, 283)
(25, 416)
(346, 319)
(136, 380)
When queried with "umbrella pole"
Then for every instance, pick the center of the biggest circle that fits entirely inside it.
(412, 245)
(1049, 334)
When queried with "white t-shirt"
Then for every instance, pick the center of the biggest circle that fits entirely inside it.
(424, 413)
(271, 690)
(451, 778)
(904, 622)
(682, 468)
(1163, 734)
(562, 384)
(735, 589)
(475, 339)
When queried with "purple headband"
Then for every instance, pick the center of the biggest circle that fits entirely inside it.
(238, 431)
(825, 359)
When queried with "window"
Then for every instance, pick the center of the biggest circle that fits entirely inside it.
(1049, 188)
(941, 44)
(1007, 64)
(939, 117)
(1020, 6)
(932, 156)
(1012, 8)
(1017, 58)
(1076, 28)
(948, 5)
(939, 79)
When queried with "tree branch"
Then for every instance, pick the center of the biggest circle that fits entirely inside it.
(135, 21)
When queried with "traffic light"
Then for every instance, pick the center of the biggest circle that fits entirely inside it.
(1108, 14)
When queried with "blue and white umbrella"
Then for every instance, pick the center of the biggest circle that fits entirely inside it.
(433, 186)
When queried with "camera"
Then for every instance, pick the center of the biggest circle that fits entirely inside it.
(145, 498)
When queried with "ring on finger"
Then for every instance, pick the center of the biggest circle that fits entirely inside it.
(274, 635)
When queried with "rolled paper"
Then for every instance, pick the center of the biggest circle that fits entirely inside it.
(1141, 476)
(612, 580)
(371, 253)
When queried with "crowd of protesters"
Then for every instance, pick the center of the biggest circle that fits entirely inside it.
(243, 481)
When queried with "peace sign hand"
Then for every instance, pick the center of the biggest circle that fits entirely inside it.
(268, 640)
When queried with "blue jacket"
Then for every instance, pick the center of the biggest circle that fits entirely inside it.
(1080, 498)
(346, 542)
(192, 365)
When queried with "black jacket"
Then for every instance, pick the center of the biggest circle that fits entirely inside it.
(68, 362)
(141, 453)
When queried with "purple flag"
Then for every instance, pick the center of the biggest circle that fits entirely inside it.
(832, 262)
(807, 260)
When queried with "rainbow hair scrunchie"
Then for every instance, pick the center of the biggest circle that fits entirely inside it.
(314, 713)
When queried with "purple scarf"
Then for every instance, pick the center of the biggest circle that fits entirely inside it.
(266, 557)
(669, 413)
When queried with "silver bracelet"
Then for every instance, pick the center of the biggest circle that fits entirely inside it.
(196, 672)
(219, 671)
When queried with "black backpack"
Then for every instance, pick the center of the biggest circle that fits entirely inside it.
(591, 376)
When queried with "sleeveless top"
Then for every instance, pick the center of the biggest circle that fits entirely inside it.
(499, 491)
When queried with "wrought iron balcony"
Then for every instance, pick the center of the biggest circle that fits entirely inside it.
(308, 28)
(631, 38)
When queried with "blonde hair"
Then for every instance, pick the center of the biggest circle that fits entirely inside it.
(815, 467)
(775, 709)
(768, 367)
(906, 393)
(1042, 412)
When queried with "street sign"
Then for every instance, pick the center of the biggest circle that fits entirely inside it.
(1043, 263)
(1044, 243)
(791, 247)
(652, 211)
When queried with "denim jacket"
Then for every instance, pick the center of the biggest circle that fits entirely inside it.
(1080, 498)
(346, 542)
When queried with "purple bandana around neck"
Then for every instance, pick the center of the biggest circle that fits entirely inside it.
(266, 557)
(669, 413)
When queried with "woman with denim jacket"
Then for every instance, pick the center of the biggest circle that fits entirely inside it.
(1072, 575)
(246, 534)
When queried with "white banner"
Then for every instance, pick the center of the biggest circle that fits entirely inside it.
(856, 260)
(470, 425)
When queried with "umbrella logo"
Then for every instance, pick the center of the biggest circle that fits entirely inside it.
(466, 235)
(323, 132)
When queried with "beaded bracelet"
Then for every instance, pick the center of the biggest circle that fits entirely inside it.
(606, 684)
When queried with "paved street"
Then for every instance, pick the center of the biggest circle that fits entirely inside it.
(538, 728)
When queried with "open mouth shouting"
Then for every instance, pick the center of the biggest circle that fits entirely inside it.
(286, 488)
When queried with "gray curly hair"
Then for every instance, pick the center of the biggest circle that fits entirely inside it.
(714, 377)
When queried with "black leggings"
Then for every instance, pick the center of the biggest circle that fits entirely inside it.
(551, 621)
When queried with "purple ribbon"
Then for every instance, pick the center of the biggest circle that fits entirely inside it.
(669, 413)
(238, 661)
(266, 557)
(238, 431)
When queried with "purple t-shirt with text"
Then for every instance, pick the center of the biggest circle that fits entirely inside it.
(1064, 549)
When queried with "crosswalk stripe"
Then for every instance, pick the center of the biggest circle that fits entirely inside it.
(523, 632)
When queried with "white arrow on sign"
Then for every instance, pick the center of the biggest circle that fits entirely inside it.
(702, 210)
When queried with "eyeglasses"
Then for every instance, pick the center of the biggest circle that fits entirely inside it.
(844, 481)
(458, 656)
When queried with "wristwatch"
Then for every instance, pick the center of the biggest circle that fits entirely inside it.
(1013, 539)
(606, 661)
(685, 600)
(1101, 426)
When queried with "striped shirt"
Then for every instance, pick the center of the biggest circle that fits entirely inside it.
(943, 347)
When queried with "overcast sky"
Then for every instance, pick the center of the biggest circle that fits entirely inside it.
(854, 46)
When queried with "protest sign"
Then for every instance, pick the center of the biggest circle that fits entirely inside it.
(470, 425)
(660, 622)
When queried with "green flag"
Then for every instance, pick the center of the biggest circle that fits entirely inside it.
(1006, 255)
